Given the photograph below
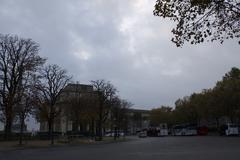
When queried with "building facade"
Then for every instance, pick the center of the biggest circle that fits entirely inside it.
(68, 122)
(64, 122)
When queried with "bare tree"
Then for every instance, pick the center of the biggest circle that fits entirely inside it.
(53, 80)
(27, 99)
(124, 115)
(119, 116)
(90, 111)
(115, 115)
(105, 92)
(17, 56)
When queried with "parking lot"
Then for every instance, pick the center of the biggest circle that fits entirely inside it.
(152, 148)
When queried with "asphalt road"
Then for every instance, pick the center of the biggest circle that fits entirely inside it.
(159, 148)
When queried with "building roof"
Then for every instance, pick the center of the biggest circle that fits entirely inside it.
(71, 87)
(139, 110)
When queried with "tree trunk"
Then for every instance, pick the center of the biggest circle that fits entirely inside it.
(100, 122)
(21, 129)
(51, 125)
(8, 128)
(218, 127)
(100, 129)
(92, 127)
(52, 132)
(49, 129)
(115, 133)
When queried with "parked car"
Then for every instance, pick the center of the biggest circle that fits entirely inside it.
(229, 129)
(142, 134)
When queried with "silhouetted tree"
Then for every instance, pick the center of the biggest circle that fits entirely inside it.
(105, 92)
(17, 56)
(124, 117)
(198, 20)
(53, 80)
(119, 116)
(26, 100)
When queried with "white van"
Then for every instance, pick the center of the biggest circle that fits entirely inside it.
(184, 130)
(179, 130)
(231, 129)
(163, 130)
(191, 131)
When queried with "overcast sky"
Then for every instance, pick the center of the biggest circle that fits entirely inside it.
(120, 41)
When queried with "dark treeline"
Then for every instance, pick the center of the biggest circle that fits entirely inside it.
(208, 107)
(29, 86)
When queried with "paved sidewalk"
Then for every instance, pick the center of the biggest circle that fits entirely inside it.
(14, 145)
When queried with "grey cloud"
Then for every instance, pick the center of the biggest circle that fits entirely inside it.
(120, 41)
